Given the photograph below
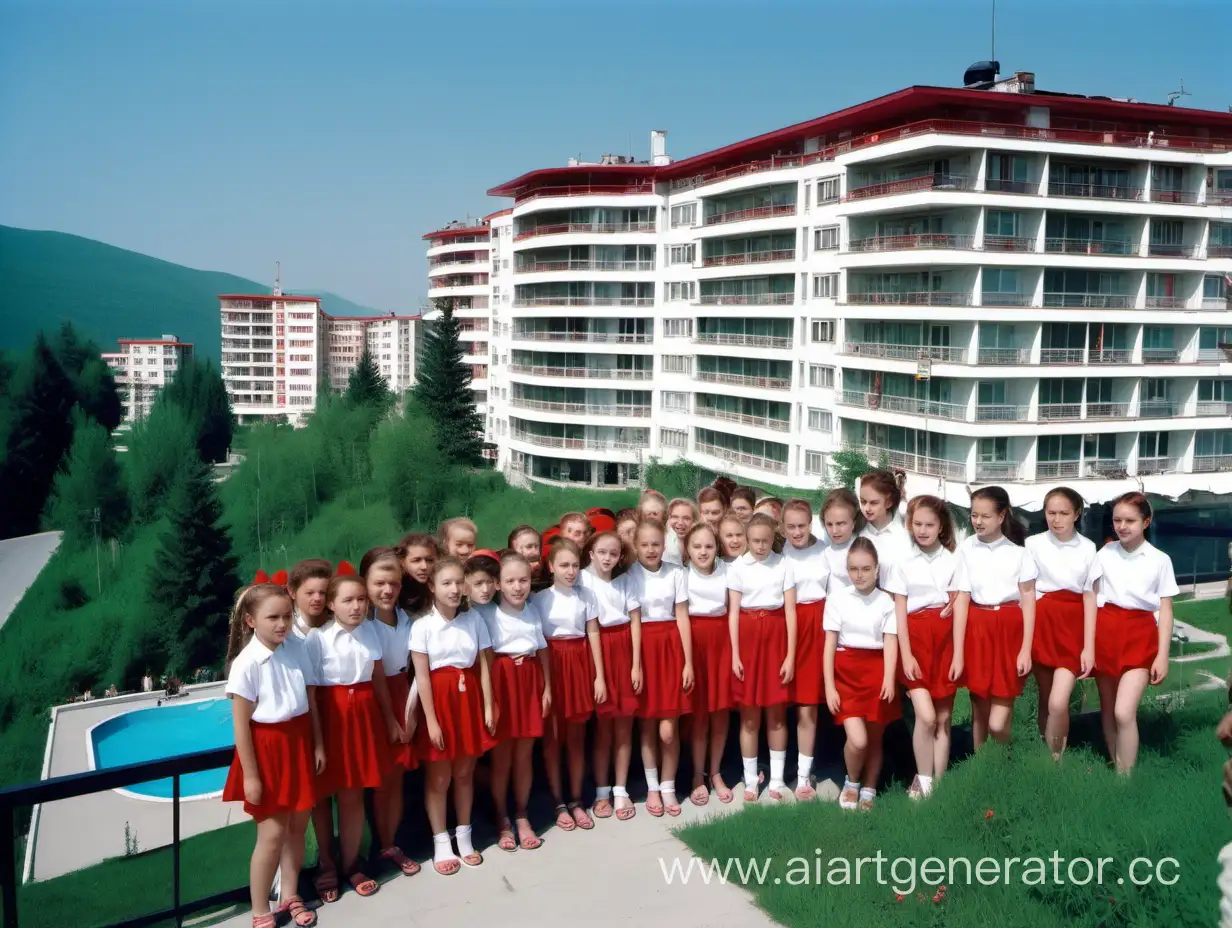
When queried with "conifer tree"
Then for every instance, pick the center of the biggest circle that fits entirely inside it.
(366, 386)
(93, 383)
(443, 387)
(198, 390)
(157, 447)
(90, 481)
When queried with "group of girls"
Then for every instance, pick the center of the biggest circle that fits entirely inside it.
(436, 653)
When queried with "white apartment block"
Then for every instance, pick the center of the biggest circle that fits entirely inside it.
(142, 367)
(391, 341)
(981, 284)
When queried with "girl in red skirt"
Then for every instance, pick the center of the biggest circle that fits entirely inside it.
(662, 609)
(712, 701)
(278, 749)
(881, 493)
(382, 572)
(860, 657)
(840, 515)
(522, 691)
(571, 626)
(762, 625)
(1063, 648)
(308, 582)
(452, 655)
(1136, 585)
(620, 641)
(732, 540)
(994, 614)
(356, 719)
(920, 585)
(417, 552)
(811, 570)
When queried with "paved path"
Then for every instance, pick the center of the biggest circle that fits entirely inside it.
(21, 559)
(1197, 635)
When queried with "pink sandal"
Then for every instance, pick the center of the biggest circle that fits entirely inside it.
(301, 915)
(395, 855)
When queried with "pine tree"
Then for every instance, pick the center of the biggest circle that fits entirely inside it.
(156, 452)
(198, 390)
(366, 386)
(91, 480)
(39, 433)
(194, 578)
(443, 387)
(93, 382)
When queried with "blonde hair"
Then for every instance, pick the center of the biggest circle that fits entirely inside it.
(651, 494)
(247, 601)
(442, 533)
(681, 501)
(801, 505)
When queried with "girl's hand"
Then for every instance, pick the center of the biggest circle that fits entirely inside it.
(956, 668)
(787, 671)
(1086, 663)
(911, 667)
(600, 691)
(737, 668)
(395, 733)
(435, 735)
(490, 715)
(947, 610)
(1159, 668)
(252, 790)
(547, 701)
(888, 689)
(1024, 663)
(637, 679)
(832, 701)
(686, 678)
(318, 757)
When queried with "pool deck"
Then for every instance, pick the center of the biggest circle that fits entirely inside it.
(75, 833)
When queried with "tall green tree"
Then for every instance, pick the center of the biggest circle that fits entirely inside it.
(39, 433)
(443, 386)
(194, 578)
(366, 386)
(157, 447)
(90, 482)
(198, 390)
(93, 382)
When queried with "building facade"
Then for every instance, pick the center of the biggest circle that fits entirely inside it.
(977, 285)
(142, 367)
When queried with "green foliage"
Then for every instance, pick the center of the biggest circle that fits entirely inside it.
(156, 452)
(366, 386)
(847, 467)
(443, 387)
(91, 481)
(199, 392)
(93, 383)
(680, 478)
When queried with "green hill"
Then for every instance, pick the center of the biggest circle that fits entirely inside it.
(110, 293)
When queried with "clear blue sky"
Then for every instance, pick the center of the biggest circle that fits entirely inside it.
(331, 135)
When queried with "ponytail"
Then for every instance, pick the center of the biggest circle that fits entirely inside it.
(247, 602)
(1011, 528)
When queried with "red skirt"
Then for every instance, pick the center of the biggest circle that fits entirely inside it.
(807, 687)
(616, 641)
(285, 766)
(990, 652)
(712, 663)
(663, 695)
(517, 689)
(357, 750)
(858, 673)
(932, 646)
(457, 698)
(1058, 631)
(399, 690)
(573, 678)
(763, 648)
(1125, 639)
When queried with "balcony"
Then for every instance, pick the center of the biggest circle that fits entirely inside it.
(918, 463)
(944, 355)
(1004, 357)
(946, 182)
(1108, 410)
(761, 422)
(743, 341)
(755, 212)
(1001, 185)
(1158, 409)
(578, 444)
(1095, 191)
(1001, 412)
(1174, 196)
(750, 257)
(1219, 250)
(1090, 246)
(995, 471)
(1158, 465)
(744, 380)
(1213, 408)
(582, 264)
(579, 409)
(746, 299)
(1111, 468)
(584, 373)
(740, 458)
(1161, 355)
(927, 240)
(1008, 243)
(521, 302)
(1109, 356)
(458, 257)
(912, 298)
(1166, 302)
(1060, 412)
(601, 228)
(1057, 470)
(904, 404)
(608, 338)
(1090, 300)
(1156, 250)
(1211, 463)
(1006, 299)
(1213, 355)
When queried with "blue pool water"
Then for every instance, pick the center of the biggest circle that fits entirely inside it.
(166, 731)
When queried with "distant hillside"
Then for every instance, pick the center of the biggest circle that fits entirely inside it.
(110, 293)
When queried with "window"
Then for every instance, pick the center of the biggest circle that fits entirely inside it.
(828, 190)
(677, 364)
(822, 330)
(681, 291)
(681, 254)
(821, 420)
(821, 375)
(678, 328)
(673, 438)
(825, 286)
(814, 462)
(1000, 222)
(676, 402)
(994, 450)
(684, 215)
(1214, 287)
(825, 239)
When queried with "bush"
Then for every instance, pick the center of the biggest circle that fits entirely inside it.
(72, 595)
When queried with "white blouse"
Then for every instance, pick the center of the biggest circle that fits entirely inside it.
(836, 560)
(991, 572)
(345, 658)
(1063, 565)
(447, 643)
(923, 578)
(299, 626)
(708, 592)
(611, 595)
(811, 570)
(657, 592)
(862, 622)
(395, 643)
(514, 632)
(276, 682)
(893, 544)
(565, 612)
(673, 546)
(761, 584)
(1137, 579)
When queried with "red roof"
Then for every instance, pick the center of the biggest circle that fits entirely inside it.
(457, 233)
(496, 215)
(152, 341)
(286, 297)
(368, 318)
(563, 176)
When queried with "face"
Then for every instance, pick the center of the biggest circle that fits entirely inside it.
(650, 548)
(653, 509)
(350, 605)
(480, 588)
(565, 567)
(862, 569)
(761, 540)
(1060, 515)
(1129, 524)
(712, 512)
(681, 520)
(925, 527)
(797, 526)
(626, 530)
(731, 536)
(773, 510)
(310, 597)
(840, 523)
(985, 519)
(384, 585)
(527, 545)
(270, 621)
(605, 555)
(418, 563)
(742, 509)
(515, 583)
(875, 506)
(461, 543)
(447, 586)
(575, 531)
(702, 550)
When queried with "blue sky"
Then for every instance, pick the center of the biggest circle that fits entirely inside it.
(331, 135)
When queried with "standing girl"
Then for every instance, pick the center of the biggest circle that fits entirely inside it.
(456, 538)
(743, 500)
(417, 552)
(840, 515)
(278, 749)
(762, 626)
(994, 614)
(881, 493)
(522, 691)
(571, 626)
(1063, 648)
(659, 599)
(710, 506)
(861, 655)
(308, 582)
(920, 585)
(452, 657)
(732, 539)
(524, 539)
(620, 639)
(681, 514)
(811, 570)
(712, 700)
(1131, 644)
(653, 505)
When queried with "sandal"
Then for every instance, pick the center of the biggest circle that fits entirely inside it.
(867, 795)
(700, 794)
(326, 885)
(268, 920)
(400, 860)
(624, 813)
(720, 788)
(527, 839)
(564, 820)
(362, 884)
(472, 860)
(506, 840)
(602, 808)
(670, 806)
(655, 810)
(583, 820)
(301, 915)
(849, 798)
(750, 795)
(914, 791)
(805, 790)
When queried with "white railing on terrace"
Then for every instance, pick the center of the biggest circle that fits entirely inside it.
(753, 212)
(1106, 467)
(1216, 302)
(763, 422)
(742, 458)
(1097, 191)
(1056, 470)
(996, 470)
(944, 355)
(1166, 302)
(1215, 250)
(1090, 300)
(1161, 355)
(1054, 411)
(1008, 243)
(615, 338)
(911, 298)
(1003, 185)
(525, 301)
(903, 404)
(1214, 408)
(1158, 409)
(1210, 463)
(580, 409)
(1158, 465)
(1006, 299)
(744, 380)
(1174, 196)
(1003, 356)
(1001, 412)
(746, 341)
(749, 257)
(1156, 250)
(580, 444)
(582, 264)
(583, 373)
(746, 299)
(564, 228)
(1090, 246)
(1109, 410)
(458, 257)
(947, 182)
(1214, 355)
(925, 240)
(919, 463)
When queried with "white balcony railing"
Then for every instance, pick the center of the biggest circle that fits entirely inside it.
(744, 380)
(1108, 410)
(993, 471)
(1000, 412)
(746, 341)
(1158, 465)
(581, 264)
(579, 409)
(1004, 356)
(919, 463)
(584, 373)
(761, 422)
(739, 457)
(522, 302)
(747, 299)
(904, 404)
(1214, 408)
(911, 298)
(581, 444)
(610, 338)
(943, 354)
(756, 212)
(1104, 247)
(749, 257)
(1090, 300)
(923, 240)
(1210, 463)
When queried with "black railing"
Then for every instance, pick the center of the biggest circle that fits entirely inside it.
(98, 781)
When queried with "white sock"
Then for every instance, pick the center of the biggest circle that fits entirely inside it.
(804, 768)
(442, 849)
(652, 779)
(926, 784)
(462, 834)
(750, 773)
(778, 763)
(868, 792)
(668, 789)
(620, 792)
(603, 792)
(849, 783)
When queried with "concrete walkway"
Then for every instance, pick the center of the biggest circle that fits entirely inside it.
(21, 559)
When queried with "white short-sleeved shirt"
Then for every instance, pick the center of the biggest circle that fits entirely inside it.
(811, 570)
(1063, 565)
(708, 592)
(923, 578)
(893, 544)
(673, 547)
(448, 643)
(299, 626)
(836, 560)
(657, 592)
(611, 595)
(565, 612)
(991, 572)
(276, 682)
(862, 622)
(761, 584)
(345, 658)
(1137, 579)
(514, 632)
(819, 529)
(395, 643)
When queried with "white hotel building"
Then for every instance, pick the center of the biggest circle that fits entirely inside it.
(991, 284)
(142, 367)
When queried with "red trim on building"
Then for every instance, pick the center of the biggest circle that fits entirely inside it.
(496, 215)
(581, 174)
(369, 318)
(286, 297)
(152, 341)
(457, 233)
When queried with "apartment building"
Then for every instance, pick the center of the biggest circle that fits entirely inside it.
(142, 367)
(391, 341)
(991, 283)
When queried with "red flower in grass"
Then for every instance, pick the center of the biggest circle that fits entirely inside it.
(988, 813)
(898, 897)
(937, 897)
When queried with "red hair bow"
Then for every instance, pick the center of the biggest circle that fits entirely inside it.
(344, 569)
(602, 523)
(280, 578)
(486, 552)
(260, 577)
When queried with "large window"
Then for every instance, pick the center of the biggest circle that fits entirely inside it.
(684, 215)
(814, 463)
(672, 401)
(825, 239)
(677, 364)
(822, 330)
(830, 188)
(821, 375)
(678, 328)
(681, 291)
(820, 420)
(681, 254)
(673, 438)
(825, 286)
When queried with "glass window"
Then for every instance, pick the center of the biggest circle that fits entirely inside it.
(829, 189)
(672, 438)
(825, 239)
(681, 254)
(814, 462)
(820, 375)
(677, 402)
(684, 215)
(677, 364)
(678, 328)
(1001, 222)
(822, 330)
(820, 420)
(994, 450)
(825, 286)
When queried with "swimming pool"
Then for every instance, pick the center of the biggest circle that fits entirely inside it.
(165, 731)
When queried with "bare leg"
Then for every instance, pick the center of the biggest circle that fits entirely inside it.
(924, 734)
(271, 836)
(720, 723)
(292, 859)
(1043, 681)
(623, 742)
(1001, 719)
(1107, 687)
(979, 720)
(669, 741)
(501, 768)
(1056, 732)
(941, 744)
(523, 776)
(350, 827)
(603, 750)
(551, 758)
(1129, 693)
(873, 754)
(576, 746)
(387, 804)
(856, 748)
(436, 790)
(323, 828)
(463, 774)
(650, 760)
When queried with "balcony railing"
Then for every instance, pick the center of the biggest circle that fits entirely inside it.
(948, 182)
(1213, 408)
(904, 404)
(458, 257)
(911, 298)
(1006, 299)
(1216, 302)
(925, 240)
(761, 422)
(1106, 467)
(745, 341)
(1166, 302)
(1057, 470)
(1004, 356)
(1089, 246)
(918, 463)
(1213, 355)
(1000, 412)
(578, 409)
(1157, 250)
(602, 228)
(755, 212)
(1097, 191)
(1090, 300)
(1158, 409)
(744, 380)
(944, 355)
(1109, 356)
(1174, 196)
(580, 444)
(1001, 185)
(1008, 243)
(582, 264)
(996, 470)
(1210, 463)
(740, 457)
(1158, 465)
(1108, 410)
(586, 190)
(583, 373)
(749, 257)
(522, 302)
(746, 299)
(610, 338)
(1051, 412)
(1218, 250)
(1161, 355)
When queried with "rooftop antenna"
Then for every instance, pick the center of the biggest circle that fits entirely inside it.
(277, 278)
(1177, 94)
(992, 56)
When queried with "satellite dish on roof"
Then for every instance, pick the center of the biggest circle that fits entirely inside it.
(982, 72)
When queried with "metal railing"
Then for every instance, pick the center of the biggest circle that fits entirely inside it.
(1158, 409)
(1056, 470)
(740, 457)
(919, 463)
(1109, 356)
(583, 373)
(1106, 467)
(1049, 412)
(1000, 412)
(948, 182)
(616, 338)
(1166, 302)
(1090, 300)
(744, 380)
(753, 212)
(458, 257)
(582, 264)
(746, 299)
(585, 190)
(945, 355)
(1097, 191)
(1008, 243)
(1157, 250)
(602, 228)
(749, 257)
(1004, 356)
(1219, 251)
(522, 302)
(905, 404)
(1209, 463)
(1158, 465)
(996, 470)
(1002, 185)
(762, 422)
(1089, 246)
(580, 409)
(746, 341)
(1213, 408)
(908, 242)
(911, 298)
(1161, 355)
(1174, 196)
(1006, 299)
(1108, 410)
(579, 444)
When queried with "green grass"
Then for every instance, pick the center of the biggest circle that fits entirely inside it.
(1186, 648)
(1210, 615)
